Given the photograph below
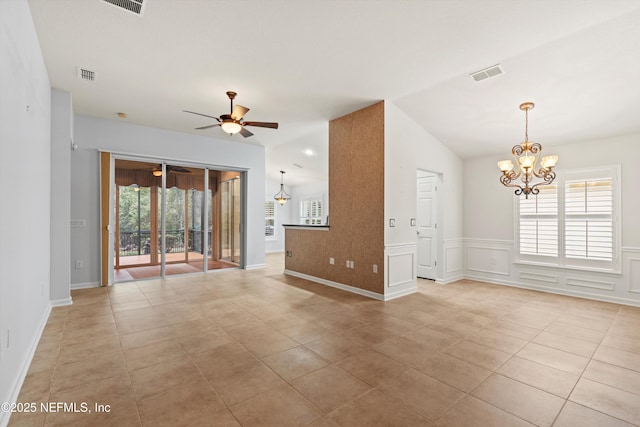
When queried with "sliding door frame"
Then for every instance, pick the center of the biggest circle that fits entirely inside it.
(107, 188)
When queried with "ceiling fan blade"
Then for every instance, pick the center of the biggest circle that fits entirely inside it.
(262, 124)
(207, 127)
(244, 132)
(178, 169)
(200, 114)
(238, 112)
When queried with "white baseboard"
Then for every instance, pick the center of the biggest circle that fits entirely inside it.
(16, 386)
(85, 285)
(255, 266)
(61, 302)
(402, 293)
(449, 279)
(337, 285)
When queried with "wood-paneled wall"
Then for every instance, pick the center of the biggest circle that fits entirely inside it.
(356, 200)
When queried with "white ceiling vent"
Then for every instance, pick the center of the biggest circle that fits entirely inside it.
(86, 75)
(492, 71)
(133, 6)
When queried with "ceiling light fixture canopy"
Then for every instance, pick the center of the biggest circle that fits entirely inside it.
(527, 158)
(281, 196)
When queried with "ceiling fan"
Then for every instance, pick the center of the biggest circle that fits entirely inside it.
(170, 168)
(233, 123)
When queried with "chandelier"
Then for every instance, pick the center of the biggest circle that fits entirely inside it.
(281, 196)
(526, 155)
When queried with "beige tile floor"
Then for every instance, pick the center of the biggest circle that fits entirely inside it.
(260, 348)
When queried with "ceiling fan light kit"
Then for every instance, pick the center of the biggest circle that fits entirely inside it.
(527, 157)
(231, 127)
(234, 123)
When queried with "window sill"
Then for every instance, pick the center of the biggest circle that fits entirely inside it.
(605, 271)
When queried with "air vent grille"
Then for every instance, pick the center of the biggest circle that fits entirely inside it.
(87, 75)
(133, 6)
(492, 71)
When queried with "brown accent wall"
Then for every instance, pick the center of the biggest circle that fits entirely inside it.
(356, 201)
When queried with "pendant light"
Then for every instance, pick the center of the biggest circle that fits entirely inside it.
(281, 196)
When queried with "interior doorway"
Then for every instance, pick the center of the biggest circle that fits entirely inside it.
(174, 219)
(427, 224)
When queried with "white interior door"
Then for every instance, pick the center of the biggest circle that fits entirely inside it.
(427, 227)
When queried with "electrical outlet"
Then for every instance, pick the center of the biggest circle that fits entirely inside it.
(353, 264)
(375, 268)
(348, 264)
(392, 222)
(79, 264)
(413, 222)
(332, 261)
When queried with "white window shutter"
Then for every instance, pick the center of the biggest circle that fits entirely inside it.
(589, 219)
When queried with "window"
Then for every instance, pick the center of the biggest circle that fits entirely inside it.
(270, 219)
(573, 221)
(589, 219)
(311, 212)
(539, 223)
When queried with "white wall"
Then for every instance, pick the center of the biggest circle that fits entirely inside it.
(92, 134)
(61, 136)
(408, 148)
(489, 224)
(25, 164)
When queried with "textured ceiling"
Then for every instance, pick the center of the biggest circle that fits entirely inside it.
(304, 62)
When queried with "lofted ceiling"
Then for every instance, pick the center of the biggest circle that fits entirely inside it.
(304, 62)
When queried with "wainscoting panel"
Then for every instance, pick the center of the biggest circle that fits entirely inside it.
(493, 261)
(594, 284)
(400, 269)
(539, 277)
(489, 258)
(452, 261)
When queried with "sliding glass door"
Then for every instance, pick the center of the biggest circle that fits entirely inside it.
(199, 220)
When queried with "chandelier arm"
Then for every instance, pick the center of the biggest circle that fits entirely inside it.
(535, 147)
(547, 177)
(541, 173)
(517, 150)
(507, 178)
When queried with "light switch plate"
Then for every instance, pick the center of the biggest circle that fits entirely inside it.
(392, 222)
